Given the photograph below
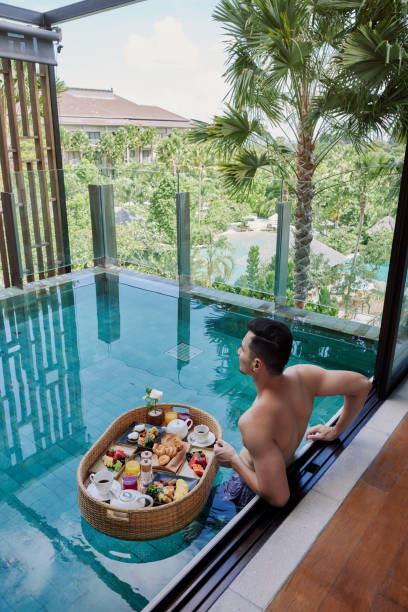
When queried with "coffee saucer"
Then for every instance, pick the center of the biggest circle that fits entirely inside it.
(202, 443)
(114, 492)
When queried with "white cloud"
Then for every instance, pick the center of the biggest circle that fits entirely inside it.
(169, 69)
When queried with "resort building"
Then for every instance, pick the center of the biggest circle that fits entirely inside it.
(96, 111)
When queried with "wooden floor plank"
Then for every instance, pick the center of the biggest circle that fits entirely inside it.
(310, 584)
(381, 604)
(360, 560)
(386, 468)
(395, 586)
(367, 568)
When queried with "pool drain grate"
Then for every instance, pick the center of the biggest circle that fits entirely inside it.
(184, 352)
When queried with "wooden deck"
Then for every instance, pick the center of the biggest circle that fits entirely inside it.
(360, 560)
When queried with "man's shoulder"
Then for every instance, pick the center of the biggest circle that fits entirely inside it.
(305, 370)
(263, 412)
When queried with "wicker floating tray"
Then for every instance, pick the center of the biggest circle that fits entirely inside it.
(147, 523)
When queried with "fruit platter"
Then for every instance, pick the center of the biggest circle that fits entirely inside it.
(149, 485)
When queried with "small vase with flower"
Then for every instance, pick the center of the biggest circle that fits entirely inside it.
(154, 414)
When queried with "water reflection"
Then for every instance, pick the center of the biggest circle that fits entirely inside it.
(40, 384)
(107, 307)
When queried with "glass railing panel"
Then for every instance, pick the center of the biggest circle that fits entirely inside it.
(76, 182)
(145, 220)
(353, 228)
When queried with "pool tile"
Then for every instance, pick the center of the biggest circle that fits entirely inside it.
(29, 604)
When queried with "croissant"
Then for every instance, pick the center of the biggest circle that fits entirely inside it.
(160, 450)
(178, 445)
(171, 451)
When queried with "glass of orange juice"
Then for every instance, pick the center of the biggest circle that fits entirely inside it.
(170, 415)
(132, 467)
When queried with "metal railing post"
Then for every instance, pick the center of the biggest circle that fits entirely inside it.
(12, 239)
(183, 240)
(282, 253)
(103, 224)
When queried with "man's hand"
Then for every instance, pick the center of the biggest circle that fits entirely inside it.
(321, 432)
(224, 453)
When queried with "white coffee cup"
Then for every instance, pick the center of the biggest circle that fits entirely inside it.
(201, 433)
(103, 481)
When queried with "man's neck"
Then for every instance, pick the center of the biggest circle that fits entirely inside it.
(267, 382)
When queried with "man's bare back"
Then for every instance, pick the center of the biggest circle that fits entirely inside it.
(273, 427)
(284, 414)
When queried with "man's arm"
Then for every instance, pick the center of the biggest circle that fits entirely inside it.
(353, 386)
(269, 479)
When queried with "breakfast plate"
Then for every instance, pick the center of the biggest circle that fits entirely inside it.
(124, 439)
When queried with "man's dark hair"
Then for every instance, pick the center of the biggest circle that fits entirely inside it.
(272, 343)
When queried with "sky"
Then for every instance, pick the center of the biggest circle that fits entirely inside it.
(167, 53)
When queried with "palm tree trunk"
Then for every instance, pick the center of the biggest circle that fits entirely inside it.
(303, 216)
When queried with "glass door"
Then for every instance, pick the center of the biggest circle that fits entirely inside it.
(401, 346)
(392, 356)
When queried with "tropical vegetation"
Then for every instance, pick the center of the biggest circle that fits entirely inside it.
(320, 71)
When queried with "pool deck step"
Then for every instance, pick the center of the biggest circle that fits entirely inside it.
(345, 546)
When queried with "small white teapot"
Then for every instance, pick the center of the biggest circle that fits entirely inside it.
(179, 427)
(132, 500)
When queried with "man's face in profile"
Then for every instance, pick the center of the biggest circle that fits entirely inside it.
(245, 355)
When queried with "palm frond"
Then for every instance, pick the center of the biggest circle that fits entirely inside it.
(228, 132)
(239, 171)
(369, 54)
(234, 16)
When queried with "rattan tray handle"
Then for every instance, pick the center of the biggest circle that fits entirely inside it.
(116, 515)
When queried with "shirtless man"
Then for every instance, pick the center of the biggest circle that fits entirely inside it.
(274, 425)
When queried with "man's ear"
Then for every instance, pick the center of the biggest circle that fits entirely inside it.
(257, 363)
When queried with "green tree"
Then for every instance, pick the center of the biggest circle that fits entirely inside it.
(162, 209)
(171, 152)
(80, 142)
(110, 147)
(369, 168)
(377, 249)
(279, 54)
(216, 259)
(252, 267)
(65, 138)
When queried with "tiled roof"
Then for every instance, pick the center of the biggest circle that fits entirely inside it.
(103, 107)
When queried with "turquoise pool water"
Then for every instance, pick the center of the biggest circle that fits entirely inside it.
(72, 360)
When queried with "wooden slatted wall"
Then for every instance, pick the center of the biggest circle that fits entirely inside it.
(29, 171)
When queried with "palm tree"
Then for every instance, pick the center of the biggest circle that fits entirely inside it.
(199, 158)
(171, 152)
(216, 258)
(279, 58)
